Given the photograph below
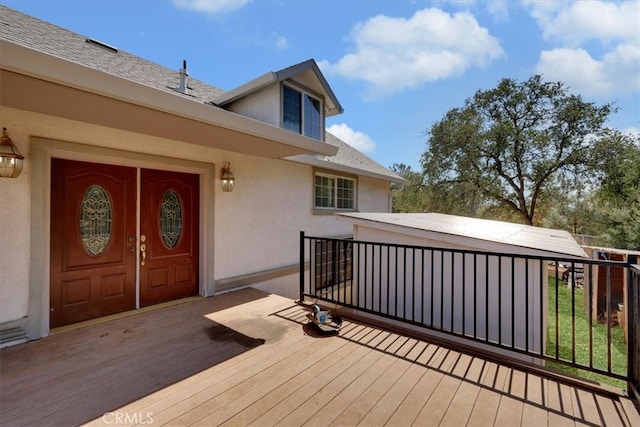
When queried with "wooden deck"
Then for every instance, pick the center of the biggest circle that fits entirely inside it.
(248, 358)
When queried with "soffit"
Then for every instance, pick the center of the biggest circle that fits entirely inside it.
(35, 81)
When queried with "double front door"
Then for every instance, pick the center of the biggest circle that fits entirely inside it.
(111, 252)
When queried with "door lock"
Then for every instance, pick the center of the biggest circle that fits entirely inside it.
(143, 249)
(143, 253)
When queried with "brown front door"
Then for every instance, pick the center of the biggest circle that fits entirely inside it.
(93, 238)
(94, 241)
(169, 208)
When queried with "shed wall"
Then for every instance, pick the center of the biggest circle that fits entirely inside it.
(487, 296)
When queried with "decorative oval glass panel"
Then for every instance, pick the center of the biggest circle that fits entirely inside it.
(171, 219)
(95, 220)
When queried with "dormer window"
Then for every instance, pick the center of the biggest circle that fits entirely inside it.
(302, 112)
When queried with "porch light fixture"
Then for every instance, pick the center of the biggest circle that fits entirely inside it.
(226, 178)
(10, 158)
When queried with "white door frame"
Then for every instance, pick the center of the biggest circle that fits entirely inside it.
(42, 150)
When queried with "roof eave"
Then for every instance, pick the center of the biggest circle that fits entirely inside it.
(312, 160)
(247, 88)
(32, 63)
(333, 106)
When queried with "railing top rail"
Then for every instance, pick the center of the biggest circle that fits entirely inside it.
(567, 259)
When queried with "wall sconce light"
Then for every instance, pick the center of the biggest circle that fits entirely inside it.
(10, 158)
(226, 178)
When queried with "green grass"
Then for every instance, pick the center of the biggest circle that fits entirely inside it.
(599, 337)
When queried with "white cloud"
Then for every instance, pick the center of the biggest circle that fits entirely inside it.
(212, 7)
(498, 9)
(357, 140)
(574, 23)
(577, 68)
(599, 45)
(631, 131)
(393, 54)
(615, 74)
(280, 42)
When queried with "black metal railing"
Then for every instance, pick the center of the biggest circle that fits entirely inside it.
(633, 329)
(574, 312)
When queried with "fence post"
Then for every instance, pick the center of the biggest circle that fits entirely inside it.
(301, 266)
(632, 317)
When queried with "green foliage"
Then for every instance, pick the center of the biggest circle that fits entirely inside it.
(410, 196)
(574, 209)
(599, 337)
(530, 152)
(617, 157)
(507, 147)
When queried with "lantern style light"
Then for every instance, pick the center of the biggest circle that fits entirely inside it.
(10, 159)
(226, 178)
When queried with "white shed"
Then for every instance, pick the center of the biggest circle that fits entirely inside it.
(500, 300)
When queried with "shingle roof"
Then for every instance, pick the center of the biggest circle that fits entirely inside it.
(42, 36)
(349, 156)
(24, 30)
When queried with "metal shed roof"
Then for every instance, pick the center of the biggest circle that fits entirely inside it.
(524, 236)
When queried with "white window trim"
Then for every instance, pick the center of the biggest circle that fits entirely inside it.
(335, 178)
(302, 91)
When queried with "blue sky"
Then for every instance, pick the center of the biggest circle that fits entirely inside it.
(397, 66)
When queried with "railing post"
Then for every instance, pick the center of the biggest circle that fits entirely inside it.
(631, 318)
(301, 266)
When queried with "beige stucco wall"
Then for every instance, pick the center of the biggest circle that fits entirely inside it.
(14, 229)
(256, 227)
(262, 105)
(373, 195)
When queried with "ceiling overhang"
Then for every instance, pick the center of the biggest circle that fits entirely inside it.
(38, 82)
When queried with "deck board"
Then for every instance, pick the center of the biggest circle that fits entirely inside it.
(249, 358)
(366, 405)
(258, 386)
(485, 408)
(409, 410)
(195, 406)
(393, 397)
(358, 359)
(438, 403)
(328, 368)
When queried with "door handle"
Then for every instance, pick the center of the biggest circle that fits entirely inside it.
(143, 253)
(143, 249)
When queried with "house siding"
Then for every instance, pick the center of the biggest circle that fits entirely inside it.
(97, 106)
(252, 229)
(262, 105)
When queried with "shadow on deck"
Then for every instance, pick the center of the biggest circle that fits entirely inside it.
(248, 358)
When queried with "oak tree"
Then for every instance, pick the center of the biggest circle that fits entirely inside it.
(511, 144)
(617, 166)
